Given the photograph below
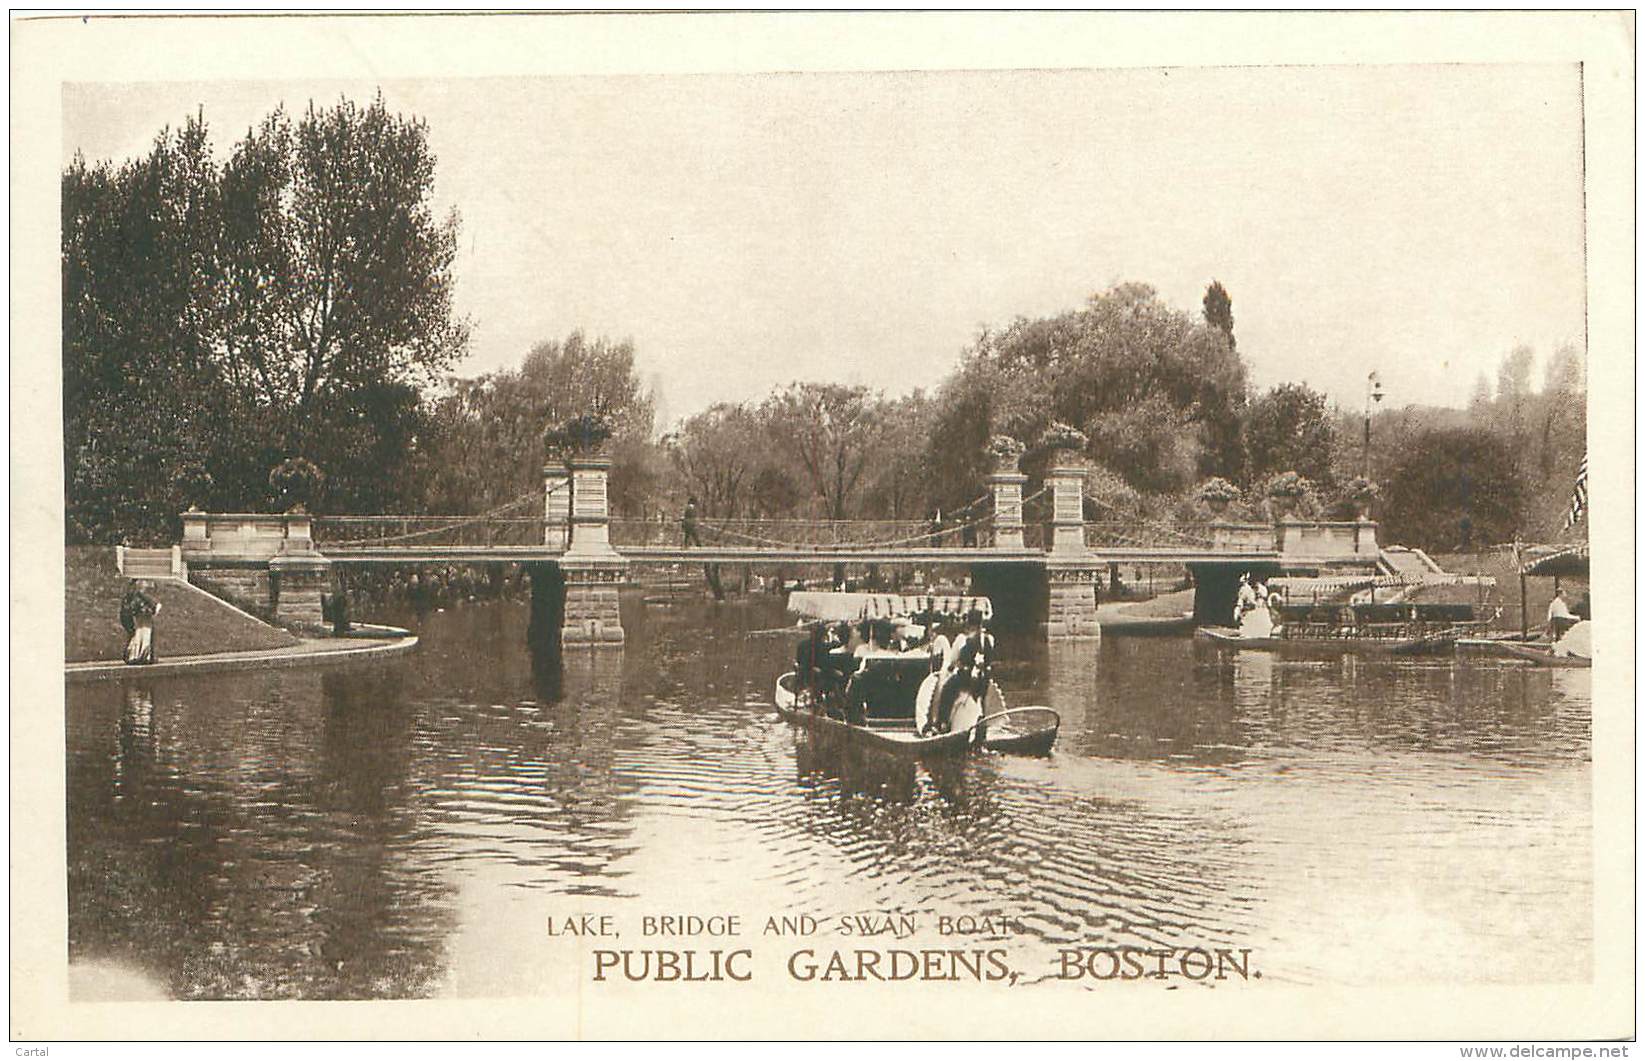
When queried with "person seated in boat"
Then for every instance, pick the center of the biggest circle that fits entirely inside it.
(814, 670)
(1255, 619)
(868, 643)
(968, 669)
(1245, 598)
(875, 634)
(1560, 618)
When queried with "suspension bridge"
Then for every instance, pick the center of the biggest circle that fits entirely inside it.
(1060, 538)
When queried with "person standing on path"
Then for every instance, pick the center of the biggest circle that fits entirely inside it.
(137, 612)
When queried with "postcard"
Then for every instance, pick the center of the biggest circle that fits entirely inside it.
(830, 526)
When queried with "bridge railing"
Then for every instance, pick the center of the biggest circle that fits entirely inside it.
(1146, 535)
(1185, 535)
(424, 531)
(776, 533)
(484, 531)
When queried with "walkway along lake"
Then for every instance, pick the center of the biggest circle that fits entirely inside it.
(409, 828)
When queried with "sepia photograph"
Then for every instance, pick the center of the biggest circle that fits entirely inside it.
(725, 543)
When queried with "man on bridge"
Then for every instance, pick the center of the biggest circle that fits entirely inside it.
(688, 524)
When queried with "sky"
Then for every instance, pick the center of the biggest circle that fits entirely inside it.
(749, 230)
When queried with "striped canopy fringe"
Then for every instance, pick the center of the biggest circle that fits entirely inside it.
(1579, 496)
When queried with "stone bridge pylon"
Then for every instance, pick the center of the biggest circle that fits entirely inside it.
(592, 568)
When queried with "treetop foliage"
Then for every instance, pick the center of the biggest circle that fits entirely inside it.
(297, 300)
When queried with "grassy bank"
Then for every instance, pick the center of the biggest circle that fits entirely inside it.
(190, 623)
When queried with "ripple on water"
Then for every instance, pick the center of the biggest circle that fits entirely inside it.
(349, 833)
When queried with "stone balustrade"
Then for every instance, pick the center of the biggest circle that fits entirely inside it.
(1304, 540)
(264, 562)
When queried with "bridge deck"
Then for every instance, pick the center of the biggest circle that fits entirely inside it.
(821, 554)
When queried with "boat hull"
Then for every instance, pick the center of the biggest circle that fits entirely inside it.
(1018, 731)
(1021, 731)
(1227, 637)
(901, 740)
(1530, 652)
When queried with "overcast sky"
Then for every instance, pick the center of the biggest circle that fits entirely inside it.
(746, 231)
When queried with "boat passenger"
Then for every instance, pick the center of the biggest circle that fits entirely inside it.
(812, 669)
(1245, 599)
(969, 664)
(1255, 620)
(1560, 618)
(868, 633)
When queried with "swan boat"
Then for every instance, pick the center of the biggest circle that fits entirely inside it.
(897, 688)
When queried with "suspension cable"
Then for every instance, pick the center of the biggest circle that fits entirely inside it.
(463, 521)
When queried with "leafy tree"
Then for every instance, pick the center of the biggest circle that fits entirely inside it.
(141, 393)
(295, 300)
(1513, 394)
(718, 455)
(1561, 427)
(832, 432)
(1156, 391)
(898, 484)
(1479, 403)
(1219, 310)
(957, 434)
(339, 273)
(1289, 429)
(1566, 372)
(492, 428)
(1453, 489)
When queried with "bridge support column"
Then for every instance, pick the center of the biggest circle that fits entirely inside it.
(1007, 508)
(594, 571)
(296, 582)
(592, 616)
(1071, 572)
(1071, 601)
(556, 503)
(264, 563)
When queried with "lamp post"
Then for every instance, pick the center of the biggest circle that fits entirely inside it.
(1373, 395)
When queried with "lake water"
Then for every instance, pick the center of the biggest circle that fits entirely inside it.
(412, 828)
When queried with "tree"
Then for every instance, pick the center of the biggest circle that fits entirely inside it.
(958, 429)
(295, 301)
(831, 431)
(1156, 391)
(718, 455)
(1289, 429)
(1219, 310)
(1566, 372)
(1479, 403)
(142, 395)
(1561, 435)
(1513, 394)
(338, 273)
(1453, 488)
(898, 485)
(491, 427)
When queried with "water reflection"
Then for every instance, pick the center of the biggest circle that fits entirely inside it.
(400, 830)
